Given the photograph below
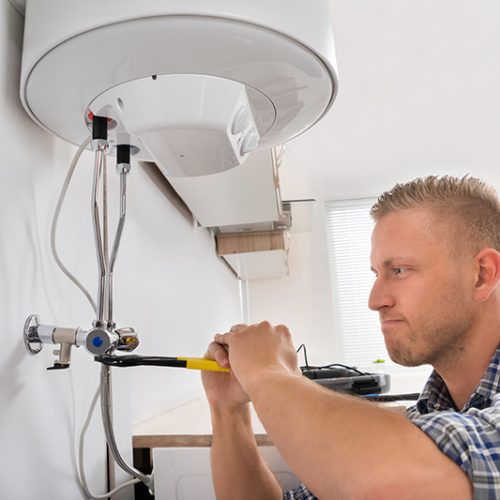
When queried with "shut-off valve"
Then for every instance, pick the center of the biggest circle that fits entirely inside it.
(98, 340)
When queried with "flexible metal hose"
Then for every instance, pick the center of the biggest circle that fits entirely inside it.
(106, 295)
(108, 430)
(116, 243)
(99, 158)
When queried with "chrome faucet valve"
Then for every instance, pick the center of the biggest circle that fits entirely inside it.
(100, 340)
(35, 335)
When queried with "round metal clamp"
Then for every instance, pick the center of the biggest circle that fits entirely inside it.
(30, 334)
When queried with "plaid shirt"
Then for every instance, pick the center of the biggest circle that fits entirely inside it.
(471, 437)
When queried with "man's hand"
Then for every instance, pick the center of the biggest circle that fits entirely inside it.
(238, 469)
(255, 349)
(222, 389)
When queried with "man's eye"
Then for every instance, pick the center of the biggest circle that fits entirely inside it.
(399, 271)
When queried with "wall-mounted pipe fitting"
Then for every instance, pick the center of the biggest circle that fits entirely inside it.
(35, 335)
(99, 340)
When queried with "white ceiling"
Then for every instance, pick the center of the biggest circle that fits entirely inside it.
(419, 93)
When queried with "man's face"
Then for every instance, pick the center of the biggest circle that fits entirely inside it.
(423, 294)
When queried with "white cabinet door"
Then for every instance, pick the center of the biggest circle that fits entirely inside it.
(185, 474)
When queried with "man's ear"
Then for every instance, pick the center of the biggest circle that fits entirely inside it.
(488, 273)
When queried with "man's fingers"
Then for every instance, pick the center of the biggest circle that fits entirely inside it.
(239, 326)
(223, 338)
(219, 353)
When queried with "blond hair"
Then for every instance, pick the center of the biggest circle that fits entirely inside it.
(466, 206)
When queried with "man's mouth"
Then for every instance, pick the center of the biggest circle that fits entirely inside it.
(388, 322)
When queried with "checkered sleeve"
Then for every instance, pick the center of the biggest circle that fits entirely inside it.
(299, 493)
(472, 440)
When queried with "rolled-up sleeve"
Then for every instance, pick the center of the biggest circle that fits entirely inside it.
(472, 440)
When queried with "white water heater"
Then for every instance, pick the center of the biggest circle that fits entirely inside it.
(193, 85)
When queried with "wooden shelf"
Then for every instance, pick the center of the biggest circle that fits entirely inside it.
(262, 241)
(255, 255)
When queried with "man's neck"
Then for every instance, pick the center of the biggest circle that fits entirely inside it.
(463, 375)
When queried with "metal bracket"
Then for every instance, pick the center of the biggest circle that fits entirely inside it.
(30, 334)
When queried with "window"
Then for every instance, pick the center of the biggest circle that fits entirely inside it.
(349, 227)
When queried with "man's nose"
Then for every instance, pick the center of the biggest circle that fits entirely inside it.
(380, 295)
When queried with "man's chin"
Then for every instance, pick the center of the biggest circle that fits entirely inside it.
(404, 359)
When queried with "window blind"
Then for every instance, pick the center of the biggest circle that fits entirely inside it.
(358, 335)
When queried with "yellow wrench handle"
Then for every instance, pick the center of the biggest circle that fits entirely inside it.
(203, 364)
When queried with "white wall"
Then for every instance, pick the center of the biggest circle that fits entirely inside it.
(170, 286)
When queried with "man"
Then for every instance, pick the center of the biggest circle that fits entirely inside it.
(435, 256)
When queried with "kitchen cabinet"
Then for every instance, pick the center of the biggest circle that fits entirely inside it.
(243, 208)
(177, 443)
